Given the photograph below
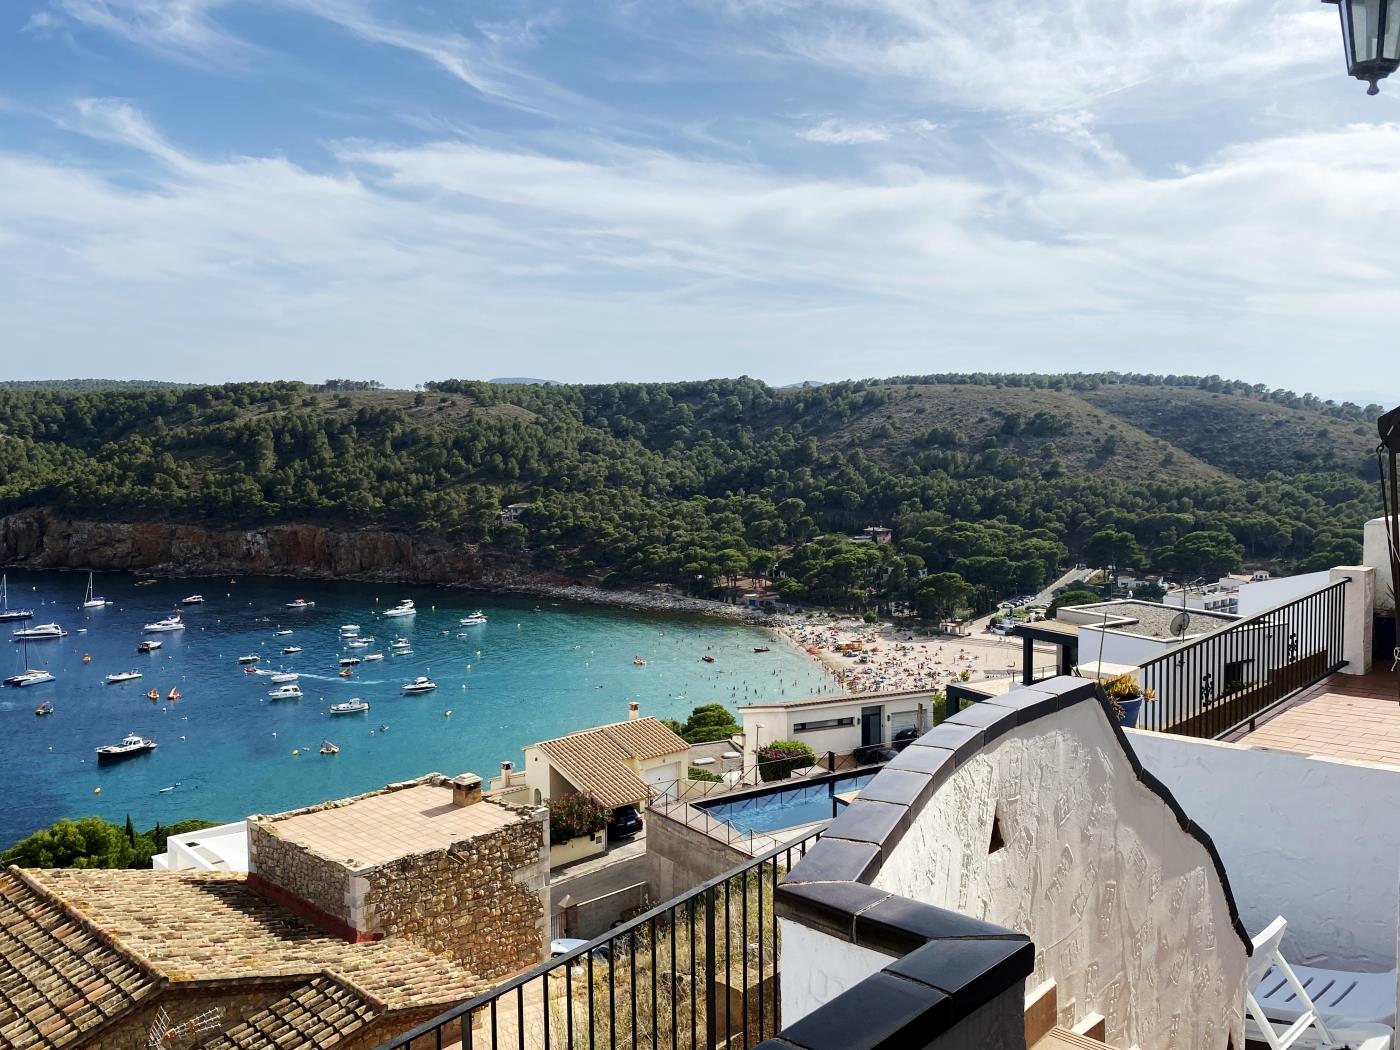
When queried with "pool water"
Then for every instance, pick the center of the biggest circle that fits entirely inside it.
(786, 807)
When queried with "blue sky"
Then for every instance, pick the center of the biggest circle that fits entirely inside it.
(228, 189)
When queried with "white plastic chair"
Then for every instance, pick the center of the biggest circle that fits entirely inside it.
(1267, 957)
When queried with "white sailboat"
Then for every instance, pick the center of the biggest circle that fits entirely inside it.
(92, 601)
(6, 613)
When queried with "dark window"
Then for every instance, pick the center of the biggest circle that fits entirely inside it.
(825, 723)
(1235, 672)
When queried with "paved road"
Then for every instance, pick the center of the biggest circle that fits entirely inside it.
(1043, 598)
(624, 867)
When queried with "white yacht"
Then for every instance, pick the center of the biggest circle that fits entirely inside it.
(170, 623)
(350, 707)
(6, 613)
(349, 661)
(131, 746)
(251, 658)
(152, 646)
(93, 601)
(122, 676)
(400, 643)
(420, 685)
(30, 677)
(404, 608)
(473, 620)
(283, 676)
(359, 643)
(40, 632)
(193, 599)
(372, 656)
(300, 603)
(290, 649)
(286, 692)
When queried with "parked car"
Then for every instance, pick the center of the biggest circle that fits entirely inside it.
(624, 823)
(563, 945)
(905, 737)
(872, 754)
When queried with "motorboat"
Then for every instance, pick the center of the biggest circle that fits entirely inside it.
(93, 601)
(404, 608)
(283, 676)
(473, 619)
(400, 643)
(420, 685)
(290, 649)
(349, 629)
(349, 661)
(40, 633)
(300, 603)
(46, 708)
(761, 649)
(6, 613)
(193, 599)
(122, 676)
(401, 652)
(372, 656)
(360, 643)
(285, 692)
(350, 707)
(148, 581)
(638, 661)
(327, 748)
(29, 677)
(251, 658)
(279, 634)
(170, 623)
(250, 669)
(708, 658)
(152, 646)
(153, 695)
(130, 747)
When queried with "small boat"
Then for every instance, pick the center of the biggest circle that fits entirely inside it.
(92, 601)
(762, 649)
(46, 708)
(473, 619)
(152, 646)
(344, 672)
(708, 658)
(193, 599)
(168, 789)
(122, 676)
(420, 685)
(87, 658)
(350, 707)
(279, 634)
(360, 643)
(30, 677)
(170, 623)
(290, 649)
(372, 656)
(251, 658)
(250, 670)
(300, 603)
(327, 748)
(285, 692)
(41, 632)
(400, 643)
(6, 613)
(404, 608)
(284, 676)
(349, 661)
(638, 661)
(130, 747)
(149, 581)
(173, 695)
(349, 629)
(154, 694)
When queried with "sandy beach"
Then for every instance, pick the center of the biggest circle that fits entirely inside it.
(867, 658)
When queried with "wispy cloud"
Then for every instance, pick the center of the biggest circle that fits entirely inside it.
(839, 133)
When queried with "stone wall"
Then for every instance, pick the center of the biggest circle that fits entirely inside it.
(484, 904)
(237, 1002)
(323, 883)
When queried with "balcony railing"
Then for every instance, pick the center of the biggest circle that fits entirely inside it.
(1223, 682)
(701, 971)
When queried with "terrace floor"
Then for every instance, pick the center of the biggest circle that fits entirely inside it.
(1355, 717)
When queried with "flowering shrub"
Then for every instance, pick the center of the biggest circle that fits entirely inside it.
(574, 816)
(778, 760)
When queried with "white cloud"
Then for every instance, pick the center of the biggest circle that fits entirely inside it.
(839, 133)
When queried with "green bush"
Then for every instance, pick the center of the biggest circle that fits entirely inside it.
(573, 816)
(780, 759)
(709, 722)
(704, 775)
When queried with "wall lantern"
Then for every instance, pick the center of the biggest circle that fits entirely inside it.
(1371, 38)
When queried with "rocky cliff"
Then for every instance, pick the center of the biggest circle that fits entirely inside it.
(38, 540)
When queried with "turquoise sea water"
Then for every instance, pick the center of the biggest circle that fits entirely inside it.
(528, 674)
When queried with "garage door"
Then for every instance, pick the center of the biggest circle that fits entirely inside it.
(663, 777)
(903, 720)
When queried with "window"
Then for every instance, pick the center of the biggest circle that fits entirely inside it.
(1234, 673)
(825, 723)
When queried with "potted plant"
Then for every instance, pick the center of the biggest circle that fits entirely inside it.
(1125, 697)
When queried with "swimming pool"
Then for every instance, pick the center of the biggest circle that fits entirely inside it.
(785, 807)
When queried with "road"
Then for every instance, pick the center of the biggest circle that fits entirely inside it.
(1043, 598)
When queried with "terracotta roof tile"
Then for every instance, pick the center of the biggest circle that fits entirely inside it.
(318, 1014)
(644, 738)
(597, 761)
(58, 978)
(205, 926)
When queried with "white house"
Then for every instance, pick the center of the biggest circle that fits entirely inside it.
(840, 724)
(222, 848)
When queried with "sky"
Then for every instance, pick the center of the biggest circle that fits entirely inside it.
(603, 190)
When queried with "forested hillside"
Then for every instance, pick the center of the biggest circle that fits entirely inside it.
(990, 482)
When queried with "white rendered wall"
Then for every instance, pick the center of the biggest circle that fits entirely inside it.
(226, 849)
(817, 967)
(1255, 597)
(1316, 840)
(1125, 909)
(1374, 548)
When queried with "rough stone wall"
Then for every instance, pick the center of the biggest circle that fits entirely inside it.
(483, 904)
(238, 1003)
(317, 880)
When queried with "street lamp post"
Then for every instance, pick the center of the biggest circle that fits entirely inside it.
(1371, 38)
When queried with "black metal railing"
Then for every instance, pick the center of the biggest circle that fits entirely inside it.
(700, 971)
(1223, 682)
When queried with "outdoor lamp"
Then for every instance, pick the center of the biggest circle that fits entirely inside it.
(1371, 38)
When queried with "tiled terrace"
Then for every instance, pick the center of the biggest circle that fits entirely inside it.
(1355, 717)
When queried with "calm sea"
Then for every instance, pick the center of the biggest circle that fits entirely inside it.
(534, 671)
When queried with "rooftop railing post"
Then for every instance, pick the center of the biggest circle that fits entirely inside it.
(711, 1033)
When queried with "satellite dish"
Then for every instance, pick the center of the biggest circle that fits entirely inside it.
(1179, 623)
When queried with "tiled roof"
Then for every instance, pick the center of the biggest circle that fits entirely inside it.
(597, 760)
(58, 979)
(319, 1013)
(205, 926)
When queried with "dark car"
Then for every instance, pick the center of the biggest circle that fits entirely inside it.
(624, 823)
(905, 737)
(873, 754)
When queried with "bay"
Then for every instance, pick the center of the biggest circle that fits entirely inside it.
(535, 670)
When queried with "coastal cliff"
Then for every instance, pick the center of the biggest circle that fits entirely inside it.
(38, 540)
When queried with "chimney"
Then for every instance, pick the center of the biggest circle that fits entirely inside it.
(506, 768)
(466, 790)
(634, 711)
